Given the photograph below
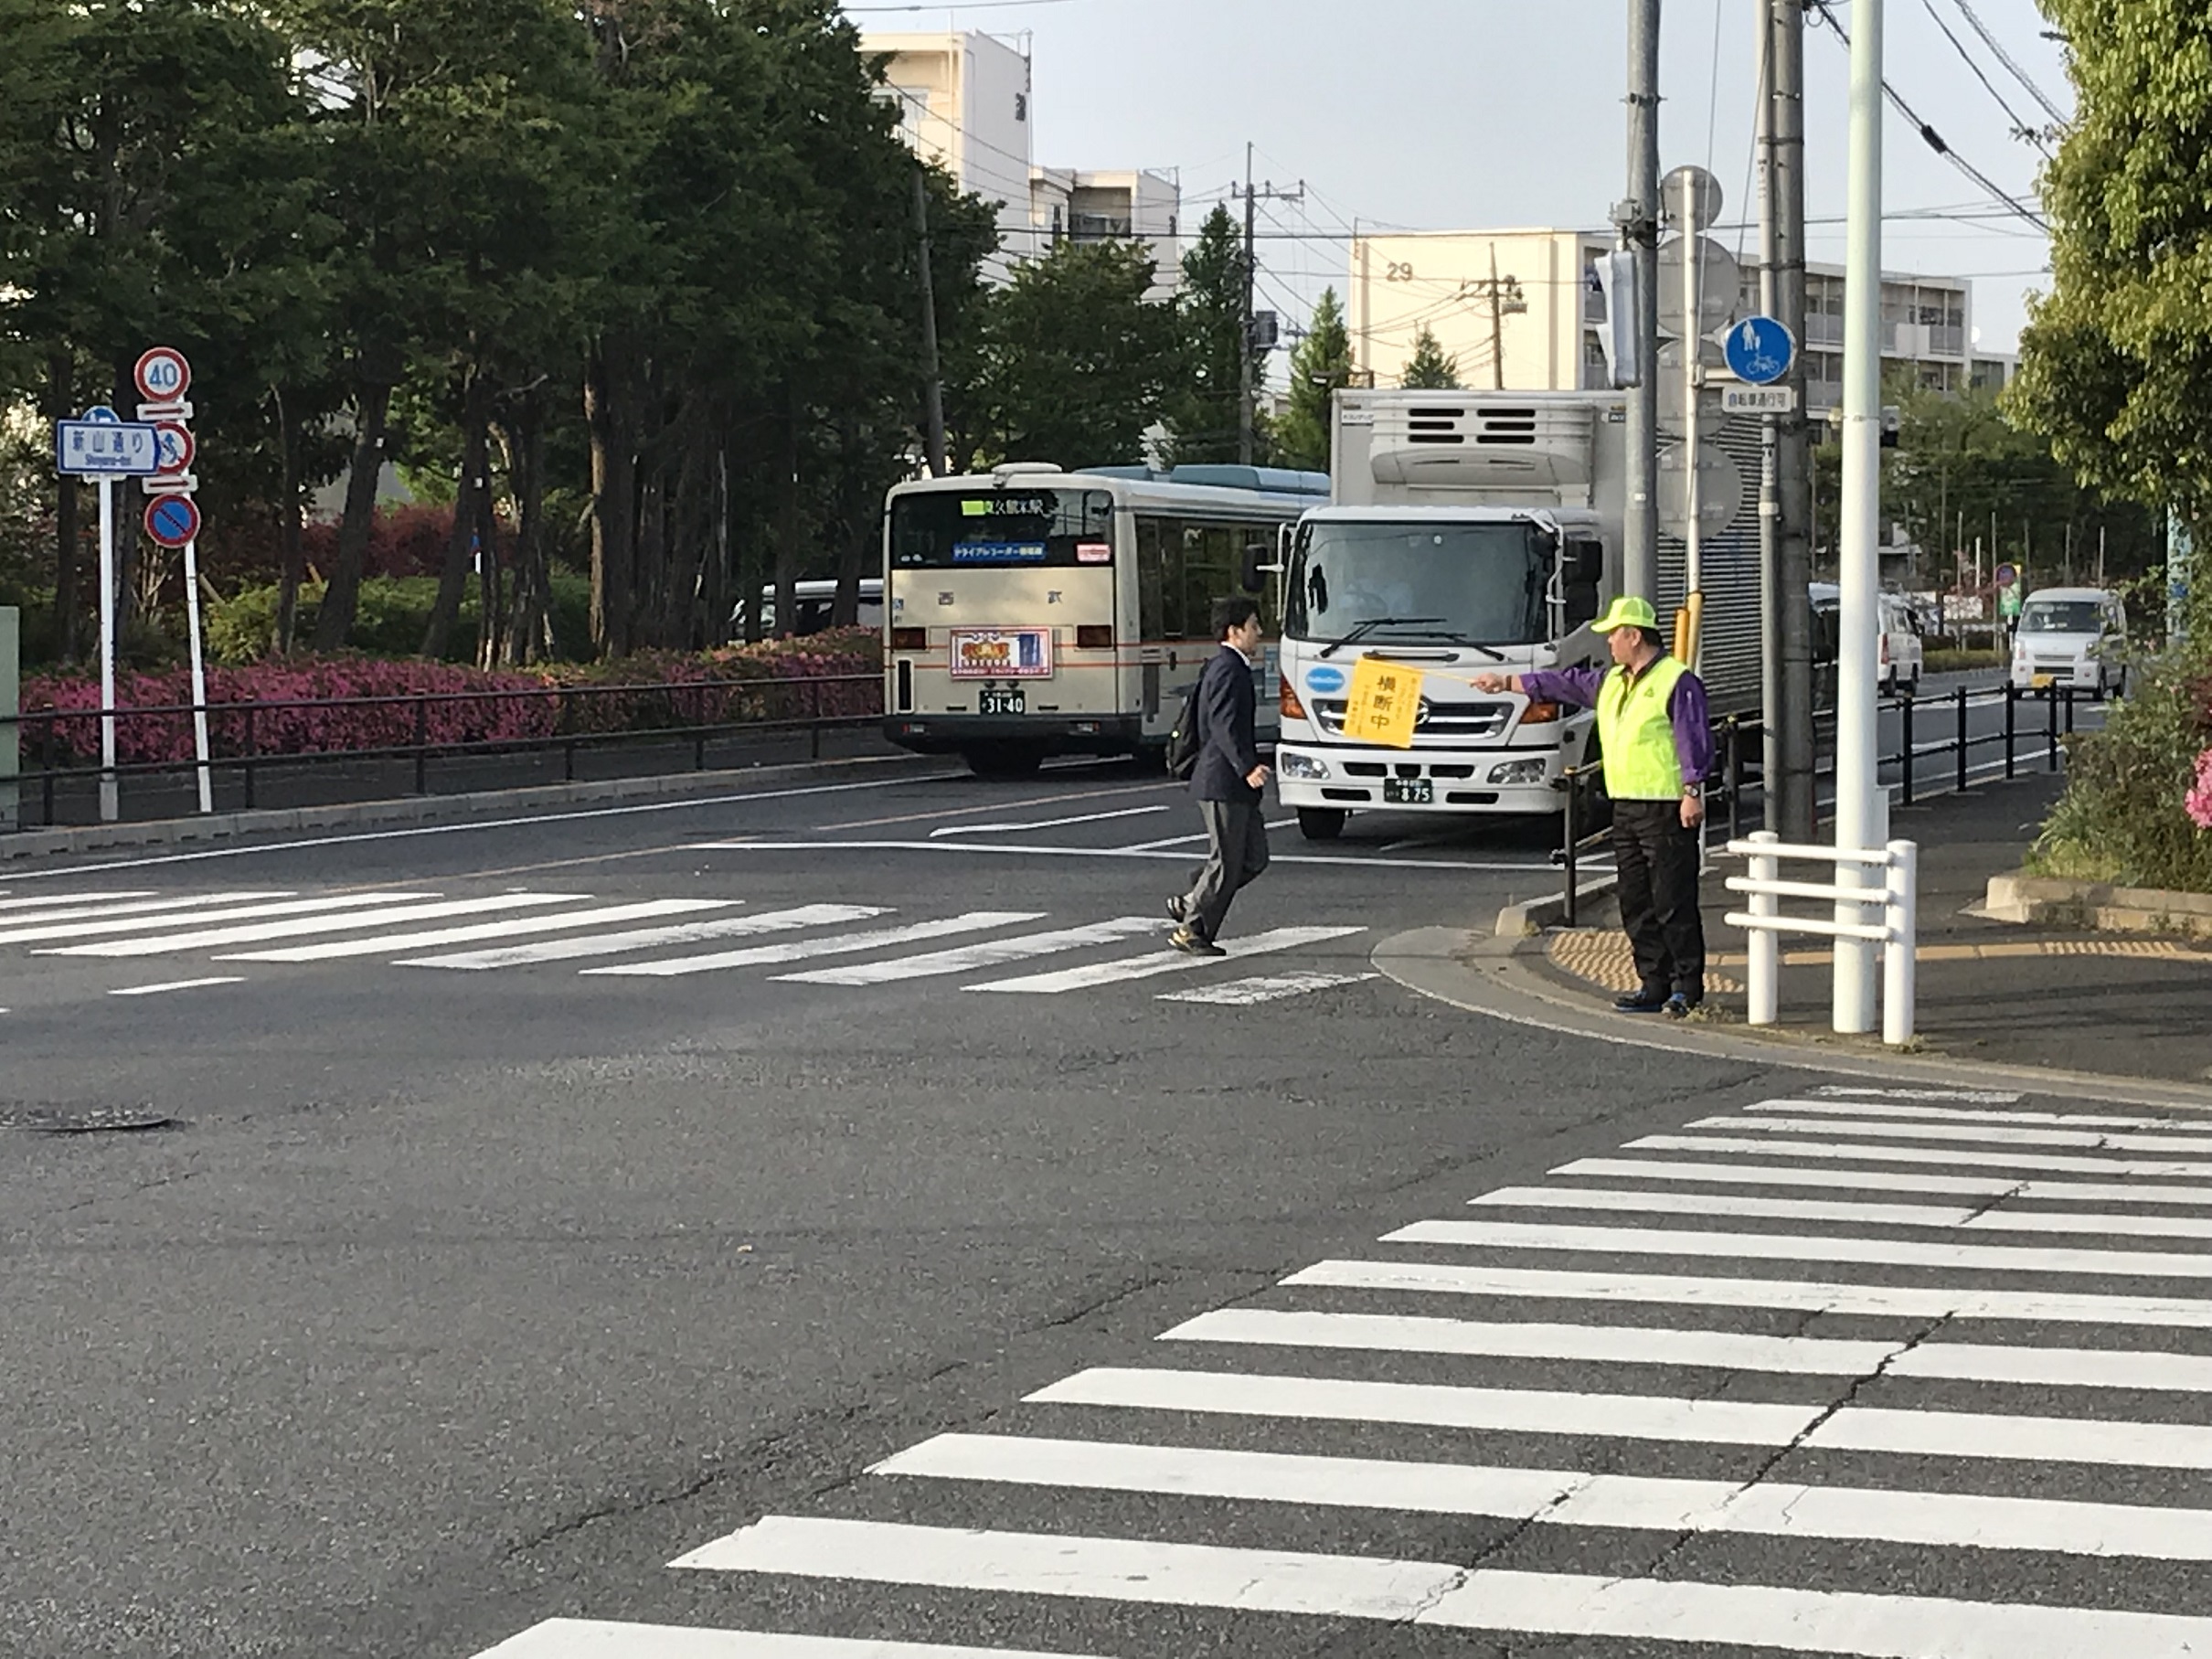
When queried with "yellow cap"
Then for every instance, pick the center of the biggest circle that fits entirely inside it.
(1626, 612)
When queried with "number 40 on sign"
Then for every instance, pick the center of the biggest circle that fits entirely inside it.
(1383, 703)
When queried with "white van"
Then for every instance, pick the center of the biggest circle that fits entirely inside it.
(1902, 652)
(815, 601)
(2071, 637)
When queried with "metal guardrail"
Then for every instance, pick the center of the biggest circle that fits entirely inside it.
(240, 727)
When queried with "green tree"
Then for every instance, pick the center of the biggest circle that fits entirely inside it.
(1203, 415)
(1429, 369)
(1320, 367)
(1079, 361)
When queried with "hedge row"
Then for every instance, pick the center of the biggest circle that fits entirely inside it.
(327, 706)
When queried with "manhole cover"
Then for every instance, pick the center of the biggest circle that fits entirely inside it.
(85, 1120)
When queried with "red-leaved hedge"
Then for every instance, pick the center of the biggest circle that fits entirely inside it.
(346, 705)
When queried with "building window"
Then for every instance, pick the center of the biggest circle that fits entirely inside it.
(1021, 106)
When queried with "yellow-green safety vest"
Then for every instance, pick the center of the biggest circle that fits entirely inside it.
(1635, 736)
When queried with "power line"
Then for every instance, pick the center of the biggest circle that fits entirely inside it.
(2005, 58)
(2020, 128)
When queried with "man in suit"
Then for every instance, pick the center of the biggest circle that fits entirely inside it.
(1227, 783)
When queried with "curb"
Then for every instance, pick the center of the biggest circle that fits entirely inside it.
(1491, 977)
(1596, 905)
(428, 809)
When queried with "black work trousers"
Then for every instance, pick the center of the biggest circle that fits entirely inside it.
(1657, 858)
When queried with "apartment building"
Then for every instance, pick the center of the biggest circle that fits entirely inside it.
(1069, 206)
(964, 103)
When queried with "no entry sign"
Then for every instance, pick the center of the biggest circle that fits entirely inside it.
(172, 520)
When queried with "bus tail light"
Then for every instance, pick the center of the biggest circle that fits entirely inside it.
(910, 639)
(1541, 713)
(1095, 637)
(1286, 701)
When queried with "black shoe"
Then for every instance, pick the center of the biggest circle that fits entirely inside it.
(1678, 1006)
(1176, 908)
(1641, 1002)
(1191, 942)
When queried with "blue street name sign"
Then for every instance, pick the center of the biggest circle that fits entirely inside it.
(110, 448)
(1759, 350)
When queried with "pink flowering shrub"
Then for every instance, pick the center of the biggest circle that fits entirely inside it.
(783, 680)
(2197, 803)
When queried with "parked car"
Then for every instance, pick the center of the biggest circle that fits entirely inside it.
(2071, 637)
(815, 601)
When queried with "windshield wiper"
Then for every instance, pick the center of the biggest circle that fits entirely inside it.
(1453, 637)
(1361, 630)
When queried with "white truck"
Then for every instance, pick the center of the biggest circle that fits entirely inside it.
(1470, 532)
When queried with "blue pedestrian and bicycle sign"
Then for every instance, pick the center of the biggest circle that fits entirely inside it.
(1759, 350)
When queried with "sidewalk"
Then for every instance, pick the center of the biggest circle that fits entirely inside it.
(2072, 1000)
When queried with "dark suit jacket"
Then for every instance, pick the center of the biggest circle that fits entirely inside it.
(1227, 725)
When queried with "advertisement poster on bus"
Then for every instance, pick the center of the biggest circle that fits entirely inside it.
(1001, 653)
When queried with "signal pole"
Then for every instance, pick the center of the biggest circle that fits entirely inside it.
(1638, 218)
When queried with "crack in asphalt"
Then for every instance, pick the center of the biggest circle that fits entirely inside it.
(1979, 1211)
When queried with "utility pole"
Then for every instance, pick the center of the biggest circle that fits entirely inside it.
(1637, 216)
(1498, 326)
(1786, 531)
(933, 392)
(1248, 353)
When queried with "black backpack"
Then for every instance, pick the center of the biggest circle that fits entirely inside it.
(1184, 741)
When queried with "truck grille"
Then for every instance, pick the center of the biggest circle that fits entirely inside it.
(1435, 723)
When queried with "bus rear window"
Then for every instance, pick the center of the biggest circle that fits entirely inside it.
(938, 529)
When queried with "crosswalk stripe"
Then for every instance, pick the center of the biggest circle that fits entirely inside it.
(1654, 1417)
(142, 908)
(1567, 1498)
(201, 916)
(177, 984)
(599, 916)
(650, 939)
(601, 1639)
(834, 944)
(1809, 1296)
(968, 958)
(1965, 1114)
(1442, 1594)
(1262, 988)
(1887, 1180)
(1986, 1097)
(382, 914)
(1972, 1134)
(1714, 1350)
(1166, 961)
(1982, 1157)
(1803, 1246)
(43, 901)
(1880, 1215)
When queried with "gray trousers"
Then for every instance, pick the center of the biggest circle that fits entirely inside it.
(1236, 854)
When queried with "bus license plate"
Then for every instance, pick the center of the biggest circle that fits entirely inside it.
(1409, 791)
(1008, 699)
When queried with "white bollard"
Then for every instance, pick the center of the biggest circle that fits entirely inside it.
(1902, 916)
(1763, 948)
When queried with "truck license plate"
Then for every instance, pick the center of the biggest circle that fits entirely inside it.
(1010, 700)
(2039, 681)
(1409, 791)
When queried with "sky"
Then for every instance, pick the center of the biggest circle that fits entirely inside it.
(1450, 114)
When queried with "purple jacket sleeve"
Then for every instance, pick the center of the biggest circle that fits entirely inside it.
(1693, 724)
(1575, 685)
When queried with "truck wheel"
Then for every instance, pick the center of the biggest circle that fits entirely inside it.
(1321, 823)
(1004, 761)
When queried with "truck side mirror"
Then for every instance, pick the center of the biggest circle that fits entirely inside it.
(1255, 566)
(1583, 569)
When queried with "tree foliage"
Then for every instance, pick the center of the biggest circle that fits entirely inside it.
(1215, 314)
(1320, 366)
(1429, 369)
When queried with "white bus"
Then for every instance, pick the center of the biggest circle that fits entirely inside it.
(1035, 612)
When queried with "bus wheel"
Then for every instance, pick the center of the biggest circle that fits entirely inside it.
(1321, 823)
(1004, 761)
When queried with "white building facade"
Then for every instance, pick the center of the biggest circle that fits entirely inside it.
(964, 103)
(1069, 206)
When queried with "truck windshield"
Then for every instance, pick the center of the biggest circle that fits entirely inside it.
(1479, 583)
(2062, 616)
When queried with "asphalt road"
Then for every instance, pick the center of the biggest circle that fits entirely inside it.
(461, 1289)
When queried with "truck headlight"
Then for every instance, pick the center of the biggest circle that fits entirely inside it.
(1292, 764)
(1518, 772)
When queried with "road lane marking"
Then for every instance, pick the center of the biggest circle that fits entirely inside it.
(604, 1639)
(361, 916)
(1972, 1134)
(834, 944)
(145, 908)
(1262, 988)
(1704, 1350)
(1560, 1497)
(1888, 1180)
(1985, 1157)
(1678, 1203)
(1803, 1246)
(651, 938)
(176, 985)
(1442, 1595)
(204, 917)
(1046, 823)
(1146, 847)
(991, 953)
(48, 900)
(1165, 961)
(1009, 849)
(334, 950)
(1797, 1295)
(1985, 1097)
(1868, 1112)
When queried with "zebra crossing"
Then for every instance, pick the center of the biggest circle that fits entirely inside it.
(658, 938)
(1758, 1387)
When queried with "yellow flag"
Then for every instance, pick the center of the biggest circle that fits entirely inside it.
(1385, 698)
